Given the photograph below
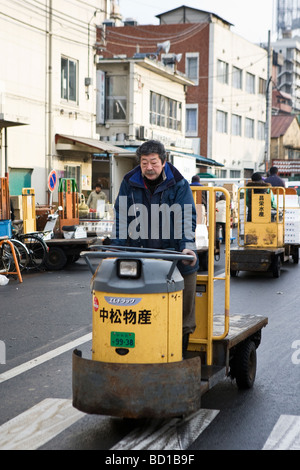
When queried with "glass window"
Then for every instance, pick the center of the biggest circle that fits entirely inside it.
(222, 119)
(260, 130)
(262, 86)
(68, 79)
(236, 125)
(191, 120)
(237, 76)
(250, 83)
(222, 71)
(164, 112)
(116, 97)
(192, 66)
(249, 128)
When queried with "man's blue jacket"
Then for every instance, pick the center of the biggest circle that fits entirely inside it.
(165, 219)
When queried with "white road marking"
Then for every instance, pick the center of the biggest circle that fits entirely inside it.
(38, 425)
(175, 434)
(43, 358)
(285, 434)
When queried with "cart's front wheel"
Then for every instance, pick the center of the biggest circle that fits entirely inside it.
(56, 258)
(244, 366)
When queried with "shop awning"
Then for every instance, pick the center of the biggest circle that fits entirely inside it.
(65, 143)
(7, 120)
(200, 160)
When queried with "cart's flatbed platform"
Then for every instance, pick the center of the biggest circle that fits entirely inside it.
(240, 327)
(71, 241)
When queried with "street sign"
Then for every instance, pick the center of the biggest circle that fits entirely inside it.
(52, 180)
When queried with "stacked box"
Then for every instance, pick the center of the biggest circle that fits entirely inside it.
(232, 188)
(18, 207)
(292, 226)
(5, 228)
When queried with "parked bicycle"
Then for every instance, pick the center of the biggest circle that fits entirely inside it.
(32, 249)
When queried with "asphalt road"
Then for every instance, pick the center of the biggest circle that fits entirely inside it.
(51, 310)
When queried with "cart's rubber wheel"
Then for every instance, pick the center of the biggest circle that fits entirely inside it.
(56, 258)
(295, 255)
(245, 364)
(276, 267)
(204, 260)
(233, 273)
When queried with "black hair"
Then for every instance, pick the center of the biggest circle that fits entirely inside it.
(152, 146)
(273, 170)
(196, 179)
(256, 177)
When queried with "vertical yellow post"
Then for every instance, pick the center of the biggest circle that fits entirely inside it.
(28, 204)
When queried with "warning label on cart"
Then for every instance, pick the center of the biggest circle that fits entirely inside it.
(122, 301)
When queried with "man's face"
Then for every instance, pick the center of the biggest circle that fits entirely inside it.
(98, 189)
(151, 166)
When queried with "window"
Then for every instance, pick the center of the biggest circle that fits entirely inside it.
(260, 130)
(249, 128)
(164, 112)
(237, 77)
(192, 66)
(191, 120)
(116, 97)
(236, 125)
(222, 119)
(262, 86)
(250, 83)
(73, 172)
(235, 174)
(222, 71)
(68, 88)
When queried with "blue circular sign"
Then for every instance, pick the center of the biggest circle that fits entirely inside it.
(52, 180)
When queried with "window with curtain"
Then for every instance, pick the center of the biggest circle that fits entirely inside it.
(249, 128)
(250, 83)
(69, 79)
(236, 125)
(116, 97)
(165, 112)
(191, 128)
(237, 78)
(222, 122)
(222, 72)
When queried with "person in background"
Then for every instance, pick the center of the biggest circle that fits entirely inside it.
(221, 216)
(150, 187)
(196, 182)
(95, 196)
(259, 187)
(273, 179)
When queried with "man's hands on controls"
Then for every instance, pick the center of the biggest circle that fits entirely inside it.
(191, 253)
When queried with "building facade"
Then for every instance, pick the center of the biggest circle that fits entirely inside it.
(226, 109)
(48, 92)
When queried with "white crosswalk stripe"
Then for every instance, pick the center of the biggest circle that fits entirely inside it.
(285, 434)
(175, 434)
(38, 425)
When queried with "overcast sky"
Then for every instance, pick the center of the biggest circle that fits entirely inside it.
(252, 19)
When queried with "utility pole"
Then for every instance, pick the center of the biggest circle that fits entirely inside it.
(268, 105)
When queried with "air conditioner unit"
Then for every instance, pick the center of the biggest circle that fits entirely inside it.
(144, 133)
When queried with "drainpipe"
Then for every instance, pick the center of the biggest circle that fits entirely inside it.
(49, 110)
(5, 154)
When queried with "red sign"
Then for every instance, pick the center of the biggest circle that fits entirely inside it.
(96, 303)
